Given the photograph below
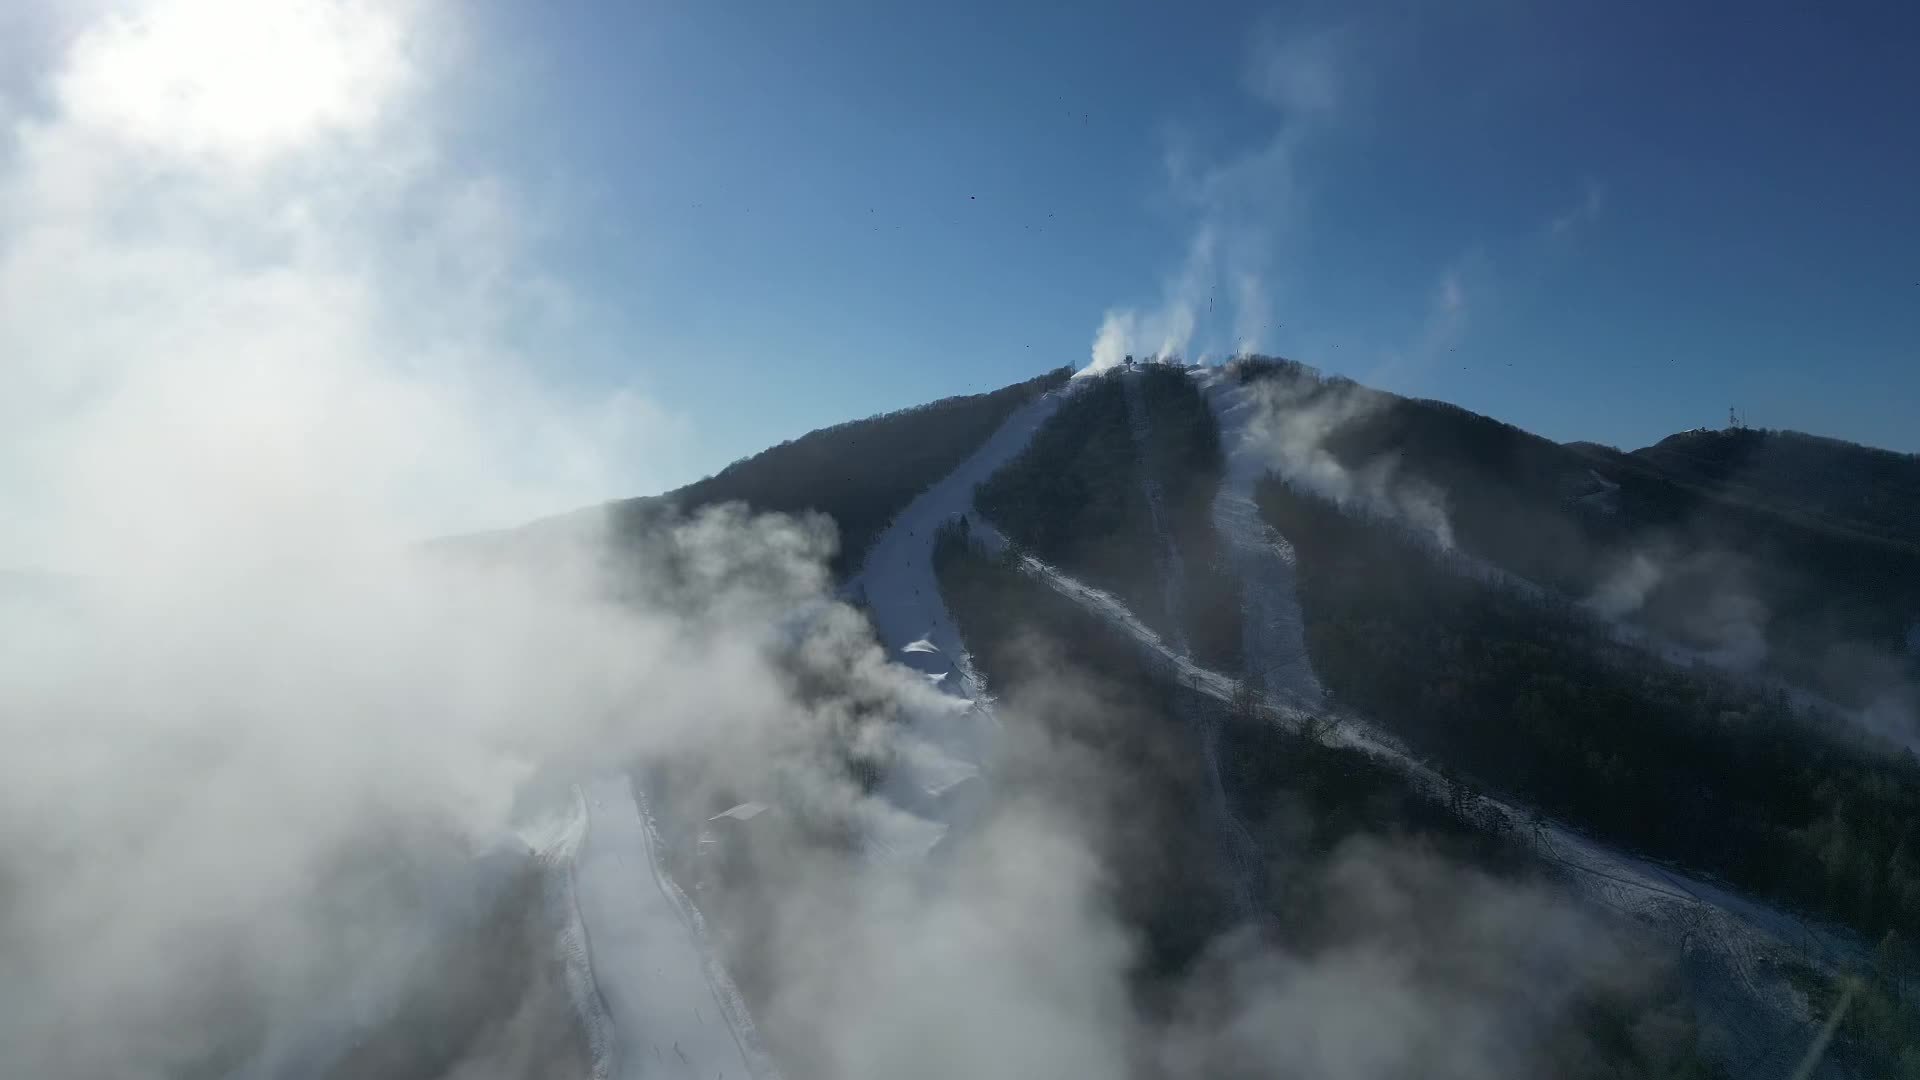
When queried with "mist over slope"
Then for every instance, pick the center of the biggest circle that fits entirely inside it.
(1133, 781)
(1283, 784)
(1781, 594)
(706, 655)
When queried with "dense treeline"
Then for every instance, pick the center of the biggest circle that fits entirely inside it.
(1880, 1025)
(1058, 669)
(1834, 606)
(1102, 728)
(1183, 455)
(1830, 608)
(1076, 498)
(860, 473)
(1537, 700)
(1869, 490)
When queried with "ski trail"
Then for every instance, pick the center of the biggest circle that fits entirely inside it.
(1272, 628)
(992, 541)
(896, 583)
(576, 951)
(733, 1004)
(1243, 850)
(673, 1011)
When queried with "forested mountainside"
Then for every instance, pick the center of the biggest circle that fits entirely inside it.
(1484, 634)
(1078, 499)
(1534, 620)
(860, 473)
(1074, 497)
(1805, 597)
(1334, 828)
(1539, 699)
(1862, 488)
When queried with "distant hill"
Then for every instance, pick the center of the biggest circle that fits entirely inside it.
(860, 473)
(1862, 488)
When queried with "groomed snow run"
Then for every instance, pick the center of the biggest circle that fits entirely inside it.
(655, 1000)
(557, 851)
(911, 621)
(673, 1011)
(1273, 632)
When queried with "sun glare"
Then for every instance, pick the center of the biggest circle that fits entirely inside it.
(239, 79)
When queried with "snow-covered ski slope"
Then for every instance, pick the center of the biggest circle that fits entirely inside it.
(662, 988)
(652, 995)
(902, 597)
(673, 1011)
(558, 850)
(1724, 936)
(1272, 630)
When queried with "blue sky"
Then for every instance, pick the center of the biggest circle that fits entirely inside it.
(1596, 221)
(428, 266)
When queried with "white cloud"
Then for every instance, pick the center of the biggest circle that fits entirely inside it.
(258, 334)
(242, 295)
(235, 79)
(1593, 199)
(254, 335)
(1447, 317)
(1299, 73)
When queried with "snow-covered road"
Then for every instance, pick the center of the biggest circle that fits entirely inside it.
(673, 1012)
